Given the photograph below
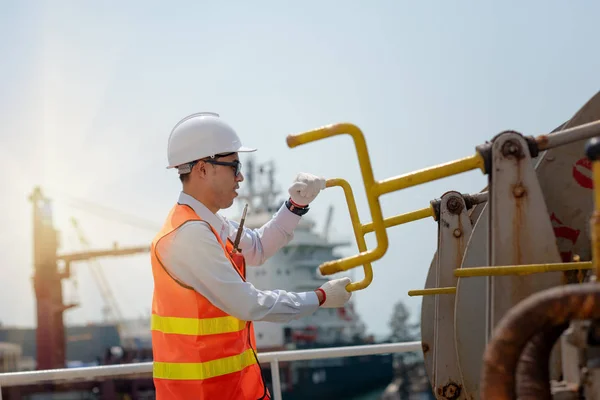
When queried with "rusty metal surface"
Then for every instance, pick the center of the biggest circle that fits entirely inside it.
(559, 171)
(540, 312)
(567, 136)
(520, 232)
(427, 321)
(533, 370)
(469, 325)
(437, 312)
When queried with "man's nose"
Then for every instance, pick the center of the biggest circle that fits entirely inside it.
(240, 177)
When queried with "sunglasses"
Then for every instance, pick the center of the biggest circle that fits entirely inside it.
(235, 164)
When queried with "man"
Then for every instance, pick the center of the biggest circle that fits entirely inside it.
(203, 307)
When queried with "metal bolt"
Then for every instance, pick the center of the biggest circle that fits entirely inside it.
(455, 205)
(450, 391)
(457, 233)
(512, 148)
(519, 191)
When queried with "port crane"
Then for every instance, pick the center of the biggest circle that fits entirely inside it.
(50, 269)
(112, 312)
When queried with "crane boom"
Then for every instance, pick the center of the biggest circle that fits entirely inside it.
(112, 309)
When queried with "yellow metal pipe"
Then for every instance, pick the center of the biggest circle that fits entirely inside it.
(432, 291)
(430, 174)
(520, 269)
(595, 220)
(367, 256)
(596, 178)
(401, 219)
(356, 226)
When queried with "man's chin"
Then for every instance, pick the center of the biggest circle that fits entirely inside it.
(229, 204)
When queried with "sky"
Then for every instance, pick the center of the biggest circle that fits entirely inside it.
(90, 90)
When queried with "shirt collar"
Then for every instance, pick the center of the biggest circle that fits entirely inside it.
(215, 220)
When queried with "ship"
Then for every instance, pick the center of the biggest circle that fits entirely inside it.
(295, 268)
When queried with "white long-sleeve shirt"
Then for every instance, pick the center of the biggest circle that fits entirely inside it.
(193, 255)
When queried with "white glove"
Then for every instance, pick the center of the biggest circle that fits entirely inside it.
(305, 188)
(336, 294)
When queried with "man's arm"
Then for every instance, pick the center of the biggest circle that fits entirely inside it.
(258, 245)
(194, 257)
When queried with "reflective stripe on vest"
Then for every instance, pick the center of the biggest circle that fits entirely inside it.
(196, 326)
(204, 370)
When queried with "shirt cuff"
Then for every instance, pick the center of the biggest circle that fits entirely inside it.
(310, 300)
(286, 219)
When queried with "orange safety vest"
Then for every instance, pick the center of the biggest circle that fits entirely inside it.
(199, 351)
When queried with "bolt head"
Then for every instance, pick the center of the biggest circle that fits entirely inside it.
(519, 191)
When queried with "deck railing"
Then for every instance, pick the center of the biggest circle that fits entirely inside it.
(273, 358)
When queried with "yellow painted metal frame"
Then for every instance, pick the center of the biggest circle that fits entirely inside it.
(361, 230)
(365, 256)
(525, 269)
(595, 220)
(356, 226)
(373, 190)
(401, 219)
(432, 291)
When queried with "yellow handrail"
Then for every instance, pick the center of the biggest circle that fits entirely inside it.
(401, 219)
(430, 174)
(432, 291)
(520, 269)
(374, 189)
(366, 256)
(356, 226)
(360, 230)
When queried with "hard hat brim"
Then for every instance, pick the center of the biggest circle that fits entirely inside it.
(242, 149)
(245, 150)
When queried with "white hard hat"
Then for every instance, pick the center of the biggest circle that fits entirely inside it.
(201, 135)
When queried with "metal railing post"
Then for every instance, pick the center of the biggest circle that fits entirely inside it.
(275, 378)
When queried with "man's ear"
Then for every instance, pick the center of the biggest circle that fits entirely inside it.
(200, 168)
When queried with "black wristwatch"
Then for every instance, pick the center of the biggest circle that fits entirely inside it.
(295, 209)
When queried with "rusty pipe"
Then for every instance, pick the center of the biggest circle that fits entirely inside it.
(533, 370)
(540, 312)
(569, 135)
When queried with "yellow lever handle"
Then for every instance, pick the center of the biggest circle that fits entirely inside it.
(365, 256)
(357, 227)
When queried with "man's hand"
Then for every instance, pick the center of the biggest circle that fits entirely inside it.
(333, 294)
(305, 188)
